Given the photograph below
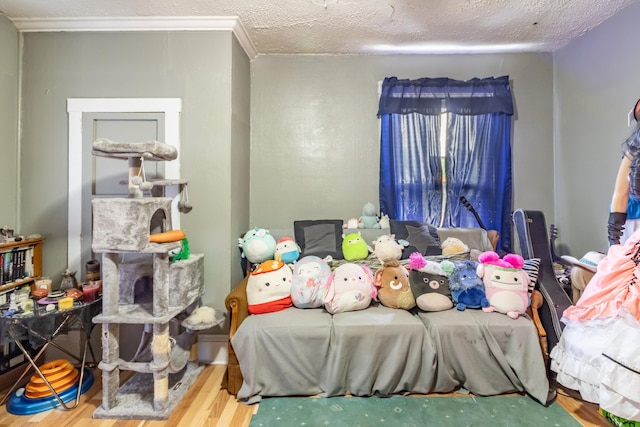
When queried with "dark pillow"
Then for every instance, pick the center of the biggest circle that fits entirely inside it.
(319, 237)
(420, 236)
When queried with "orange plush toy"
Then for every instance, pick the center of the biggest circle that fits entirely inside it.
(269, 287)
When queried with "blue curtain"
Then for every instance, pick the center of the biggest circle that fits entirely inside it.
(411, 171)
(477, 161)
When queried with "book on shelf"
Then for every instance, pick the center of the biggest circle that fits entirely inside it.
(16, 264)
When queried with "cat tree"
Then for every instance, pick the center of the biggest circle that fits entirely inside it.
(141, 285)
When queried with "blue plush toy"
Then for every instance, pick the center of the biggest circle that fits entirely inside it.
(467, 288)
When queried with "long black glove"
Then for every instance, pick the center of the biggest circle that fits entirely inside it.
(616, 226)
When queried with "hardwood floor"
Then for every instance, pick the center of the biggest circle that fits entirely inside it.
(205, 404)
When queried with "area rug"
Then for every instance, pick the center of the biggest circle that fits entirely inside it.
(507, 411)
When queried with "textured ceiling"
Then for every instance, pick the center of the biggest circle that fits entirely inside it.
(364, 26)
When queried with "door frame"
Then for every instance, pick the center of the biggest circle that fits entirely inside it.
(76, 107)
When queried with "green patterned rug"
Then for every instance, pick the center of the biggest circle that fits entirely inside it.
(508, 411)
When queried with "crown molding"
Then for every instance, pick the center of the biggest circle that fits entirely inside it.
(147, 23)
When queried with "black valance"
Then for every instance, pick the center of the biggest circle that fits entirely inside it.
(432, 96)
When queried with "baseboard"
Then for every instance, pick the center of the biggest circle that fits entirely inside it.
(212, 349)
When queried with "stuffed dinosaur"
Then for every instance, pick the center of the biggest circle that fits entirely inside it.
(392, 281)
(505, 282)
(369, 218)
(467, 288)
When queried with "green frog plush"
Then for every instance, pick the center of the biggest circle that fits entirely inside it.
(354, 247)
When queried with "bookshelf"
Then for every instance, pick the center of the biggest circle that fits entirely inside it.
(29, 269)
(20, 263)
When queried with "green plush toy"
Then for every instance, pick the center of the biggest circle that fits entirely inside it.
(354, 247)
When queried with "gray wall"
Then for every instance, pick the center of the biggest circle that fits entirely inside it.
(596, 81)
(9, 159)
(296, 137)
(208, 70)
(315, 141)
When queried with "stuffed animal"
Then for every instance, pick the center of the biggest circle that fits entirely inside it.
(287, 250)
(269, 287)
(453, 245)
(257, 245)
(351, 288)
(354, 247)
(311, 275)
(352, 223)
(467, 288)
(386, 248)
(369, 218)
(505, 282)
(392, 281)
(429, 283)
(384, 221)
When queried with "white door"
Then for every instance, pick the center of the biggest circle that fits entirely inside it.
(107, 177)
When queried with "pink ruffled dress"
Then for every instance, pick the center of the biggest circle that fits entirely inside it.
(599, 350)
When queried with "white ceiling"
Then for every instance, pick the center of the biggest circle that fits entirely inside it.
(363, 26)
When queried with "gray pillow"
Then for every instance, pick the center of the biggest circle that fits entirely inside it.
(420, 235)
(321, 237)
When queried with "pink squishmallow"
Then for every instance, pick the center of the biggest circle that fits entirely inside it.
(351, 288)
(505, 282)
(269, 287)
(311, 275)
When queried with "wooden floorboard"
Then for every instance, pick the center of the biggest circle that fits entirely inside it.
(206, 404)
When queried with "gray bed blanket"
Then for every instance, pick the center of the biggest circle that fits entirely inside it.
(486, 353)
(384, 351)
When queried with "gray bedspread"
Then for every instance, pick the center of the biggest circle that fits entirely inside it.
(384, 351)
(486, 353)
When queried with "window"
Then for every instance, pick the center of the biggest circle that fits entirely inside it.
(443, 139)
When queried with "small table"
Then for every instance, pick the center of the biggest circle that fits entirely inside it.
(41, 328)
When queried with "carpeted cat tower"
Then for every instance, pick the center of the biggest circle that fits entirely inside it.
(144, 283)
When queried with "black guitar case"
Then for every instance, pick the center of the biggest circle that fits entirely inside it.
(534, 243)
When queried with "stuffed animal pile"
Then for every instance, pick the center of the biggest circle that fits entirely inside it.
(280, 279)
